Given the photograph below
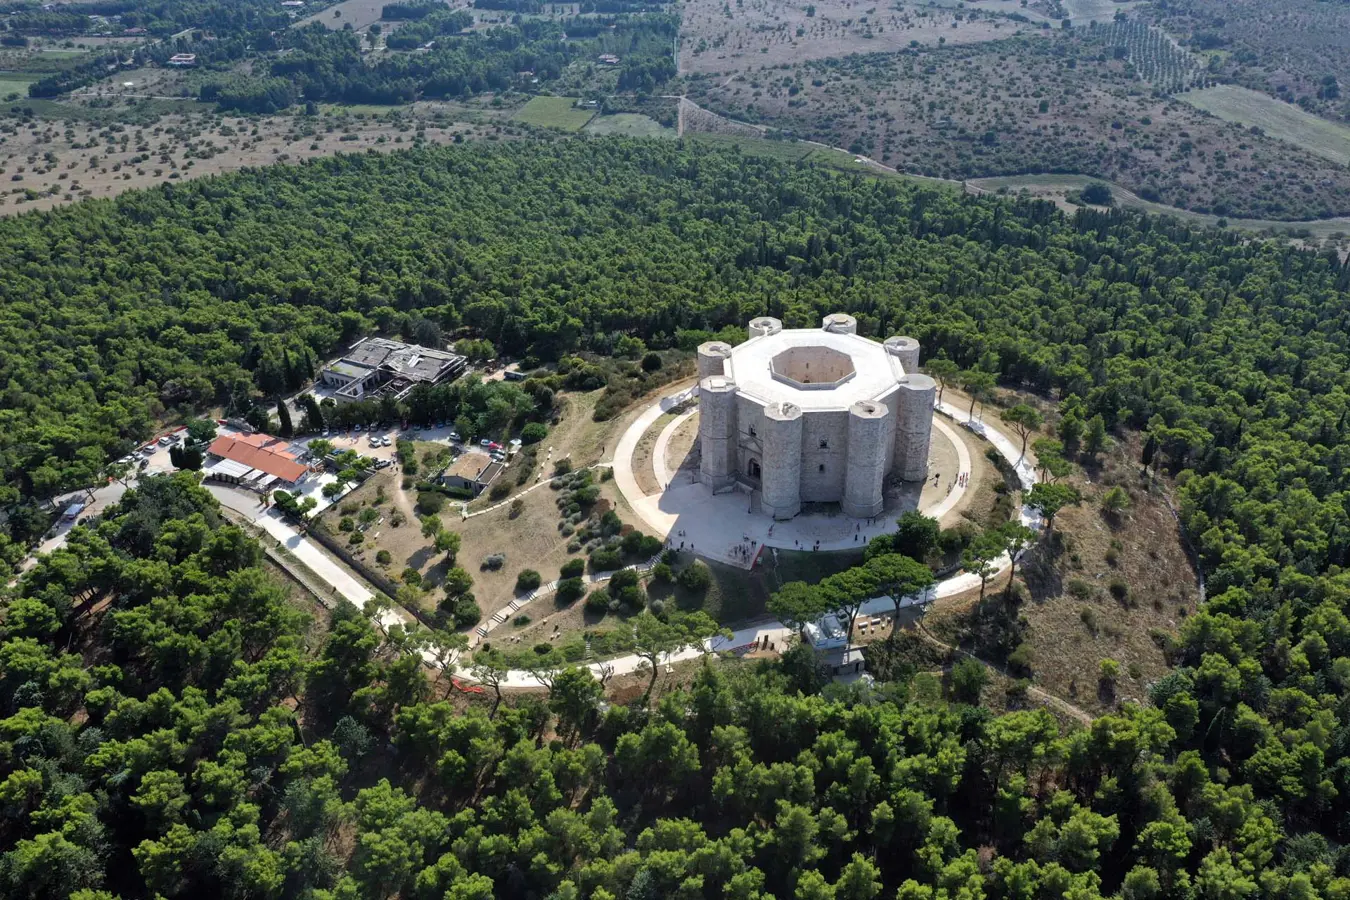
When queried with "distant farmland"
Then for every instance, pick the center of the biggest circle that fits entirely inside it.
(1276, 118)
(554, 112)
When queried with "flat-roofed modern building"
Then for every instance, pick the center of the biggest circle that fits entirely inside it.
(375, 368)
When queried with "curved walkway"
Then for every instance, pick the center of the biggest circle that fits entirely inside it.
(663, 473)
(773, 631)
(725, 526)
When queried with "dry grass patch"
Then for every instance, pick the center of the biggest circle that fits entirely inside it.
(51, 162)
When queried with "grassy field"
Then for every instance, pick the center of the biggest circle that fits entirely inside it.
(800, 151)
(14, 84)
(629, 125)
(1276, 118)
(554, 112)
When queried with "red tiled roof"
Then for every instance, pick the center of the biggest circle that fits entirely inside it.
(245, 449)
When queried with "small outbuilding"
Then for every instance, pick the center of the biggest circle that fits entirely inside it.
(471, 472)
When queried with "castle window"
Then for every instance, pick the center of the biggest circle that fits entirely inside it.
(822, 467)
(824, 444)
(752, 431)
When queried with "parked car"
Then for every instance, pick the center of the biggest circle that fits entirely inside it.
(454, 436)
(494, 446)
(165, 440)
(356, 428)
(485, 443)
(383, 463)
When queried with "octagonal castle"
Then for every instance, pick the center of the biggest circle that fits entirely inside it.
(813, 416)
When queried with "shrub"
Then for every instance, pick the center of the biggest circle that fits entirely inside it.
(1089, 617)
(662, 573)
(517, 506)
(412, 576)
(430, 502)
(696, 577)
(494, 561)
(533, 433)
(605, 561)
(383, 558)
(1116, 501)
(1119, 589)
(1079, 589)
(573, 568)
(658, 607)
(464, 611)
(570, 590)
(528, 580)
(356, 538)
(520, 621)
(598, 602)
(968, 681)
(651, 362)
(500, 488)
(562, 467)
(1019, 661)
(346, 523)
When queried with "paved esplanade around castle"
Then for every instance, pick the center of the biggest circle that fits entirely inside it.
(813, 416)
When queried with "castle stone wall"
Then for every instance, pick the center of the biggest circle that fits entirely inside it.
(717, 431)
(869, 431)
(780, 491)
(914, 429)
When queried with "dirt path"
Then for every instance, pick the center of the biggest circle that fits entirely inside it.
(1064, 706)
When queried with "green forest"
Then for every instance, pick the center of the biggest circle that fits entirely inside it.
(169, 725)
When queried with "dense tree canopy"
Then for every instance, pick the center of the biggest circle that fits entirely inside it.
(169, 725)
(164, 727)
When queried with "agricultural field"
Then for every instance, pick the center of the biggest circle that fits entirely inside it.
(770, 33)
(14, 86)
(1061, 103)
(554, 112)
(1297, 50)
(629, 125)
(359, 14)
(1331, 233)
(1276, 118)
(46, 163)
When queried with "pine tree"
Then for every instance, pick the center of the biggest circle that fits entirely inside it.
(284, 427)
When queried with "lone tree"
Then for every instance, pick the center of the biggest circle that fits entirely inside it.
(944, 372)
(445, 647)
(654, 640)
(977, 383)
(1049, 499)
(490, 667)
(1097, 193)
(1015, 538)
(898, 577)
(978, 559)
(1024, 420)
(797, 604)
